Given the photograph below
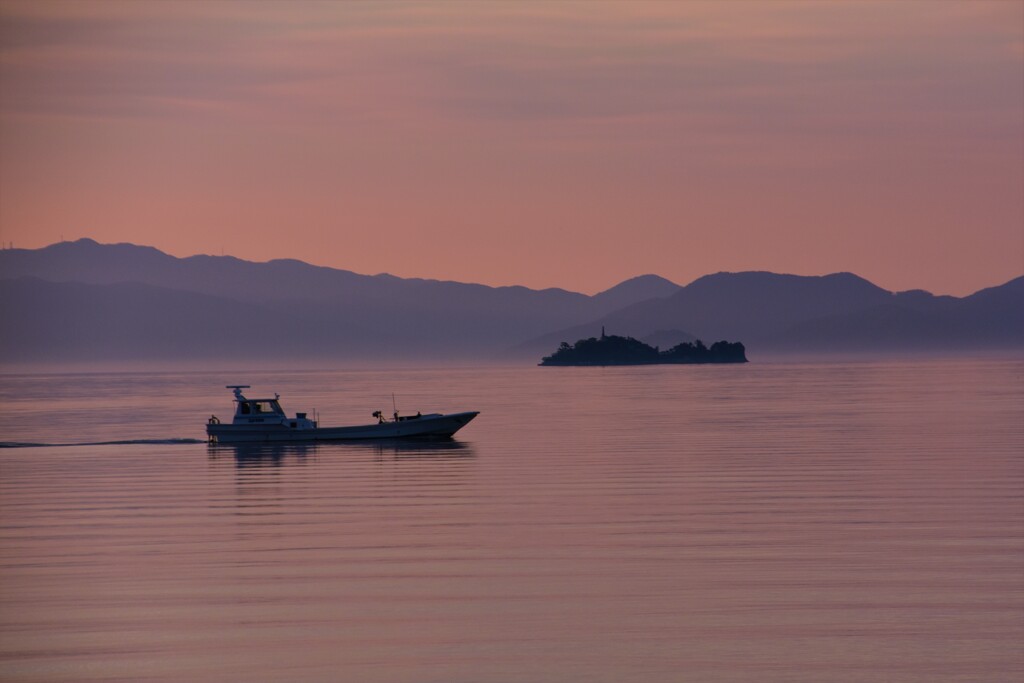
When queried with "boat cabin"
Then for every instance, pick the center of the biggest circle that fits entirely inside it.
(256, 410)
(260, 406)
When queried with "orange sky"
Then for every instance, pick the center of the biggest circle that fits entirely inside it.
(543, 144)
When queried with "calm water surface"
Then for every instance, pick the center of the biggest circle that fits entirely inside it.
(773, 522)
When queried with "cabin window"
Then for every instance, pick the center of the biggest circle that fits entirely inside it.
(260, 408)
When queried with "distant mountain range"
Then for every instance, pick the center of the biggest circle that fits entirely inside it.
(838, 313)
(81, 301)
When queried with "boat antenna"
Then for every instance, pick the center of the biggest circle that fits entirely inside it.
(238, 390)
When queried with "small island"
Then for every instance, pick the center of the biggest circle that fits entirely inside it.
(614, 350)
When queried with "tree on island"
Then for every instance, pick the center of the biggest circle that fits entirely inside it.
(615, 350)
(720, 352)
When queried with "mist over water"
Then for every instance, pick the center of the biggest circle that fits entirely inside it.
(832, 521)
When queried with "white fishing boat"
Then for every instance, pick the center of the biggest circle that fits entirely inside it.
(263, 420)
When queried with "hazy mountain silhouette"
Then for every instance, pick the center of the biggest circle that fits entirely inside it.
(666, 339)
(318, 310)
(82, 300)
(74, 321)
(636, 289)
(840, 312)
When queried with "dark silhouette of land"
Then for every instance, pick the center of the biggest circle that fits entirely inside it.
(80, 301)
(615, 350)
(83, 301)
(838, 313)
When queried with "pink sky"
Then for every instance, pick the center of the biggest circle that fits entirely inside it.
(543, 144)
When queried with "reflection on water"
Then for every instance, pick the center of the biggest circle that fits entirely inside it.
(260, 455)
(277, 454)
(788, 523)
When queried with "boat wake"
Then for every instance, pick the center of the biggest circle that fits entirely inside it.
(127, 442)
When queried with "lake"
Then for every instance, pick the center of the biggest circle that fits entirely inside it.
(839, 521)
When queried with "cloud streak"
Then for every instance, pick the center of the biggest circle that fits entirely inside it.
(540, 62)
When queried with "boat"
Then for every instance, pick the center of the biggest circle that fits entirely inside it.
(263, 420)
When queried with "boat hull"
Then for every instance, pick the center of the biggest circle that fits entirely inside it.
(424, 427)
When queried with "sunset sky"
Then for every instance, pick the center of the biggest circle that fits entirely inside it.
(545, 144)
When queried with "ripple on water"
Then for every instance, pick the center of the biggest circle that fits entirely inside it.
(842, 522)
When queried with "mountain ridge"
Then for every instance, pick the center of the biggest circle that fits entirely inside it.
(309, 309)
(410, 317)
(841, 311)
